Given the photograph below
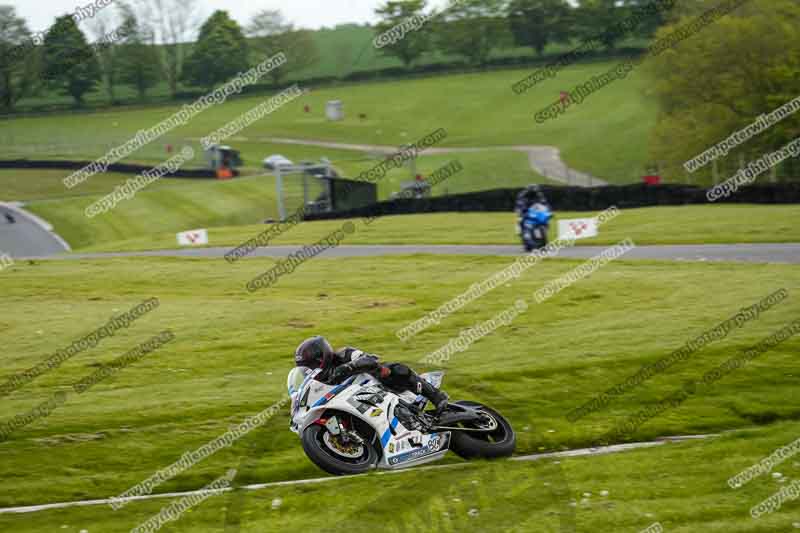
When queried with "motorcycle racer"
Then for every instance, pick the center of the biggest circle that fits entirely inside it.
(316, 352)
(528, 197)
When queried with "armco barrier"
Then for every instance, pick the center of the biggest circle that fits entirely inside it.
(122, 168)
(573, 199)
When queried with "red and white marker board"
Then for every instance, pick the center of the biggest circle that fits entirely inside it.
(195, 237)
(580, 228)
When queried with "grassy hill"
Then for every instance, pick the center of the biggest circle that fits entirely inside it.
(46, 184)
(605, 136)
(169, 208)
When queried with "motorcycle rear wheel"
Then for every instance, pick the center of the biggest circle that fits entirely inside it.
(500, 442)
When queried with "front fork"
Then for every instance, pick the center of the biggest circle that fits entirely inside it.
(338, 428)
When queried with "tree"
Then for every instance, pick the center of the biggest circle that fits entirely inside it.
(687, 8)
(219, 53)
(17, 56)
(70, 64)
(409, 47)
(170, 25)
(473, 28)
(753, 57)
(138, 60)
(536, 23)
(650, 24)
(598, 19)
(267, 23)
(105, 29)
(271, 34)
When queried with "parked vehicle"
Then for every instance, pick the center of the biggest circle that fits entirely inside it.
(276, 161)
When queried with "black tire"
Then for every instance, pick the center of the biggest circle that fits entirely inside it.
(471, 445)
(317, 452)
(543, 241)
(540, 242)
(528, 242)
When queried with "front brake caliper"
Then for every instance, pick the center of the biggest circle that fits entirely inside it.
(332, 425)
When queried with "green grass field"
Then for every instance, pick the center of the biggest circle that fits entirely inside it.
(482, 170)
(612, 146)
(39, 185)
(683, 487)
(171, 207)
(233, 349)
(127, 229)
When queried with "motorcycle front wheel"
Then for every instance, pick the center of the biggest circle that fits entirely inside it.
(541, 237)
(527, 242)
(328, 452)
(498, 439)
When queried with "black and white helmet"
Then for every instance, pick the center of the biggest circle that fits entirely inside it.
(315, 352)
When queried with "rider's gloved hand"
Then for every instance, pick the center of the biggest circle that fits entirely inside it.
(341, 372)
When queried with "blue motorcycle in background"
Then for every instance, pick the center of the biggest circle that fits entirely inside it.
(534, 226)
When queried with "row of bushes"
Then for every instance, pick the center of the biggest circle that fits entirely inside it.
(574, 199)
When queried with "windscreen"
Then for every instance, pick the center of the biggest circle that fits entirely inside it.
(296, 378)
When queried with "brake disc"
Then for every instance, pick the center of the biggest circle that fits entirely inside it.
(338, 447)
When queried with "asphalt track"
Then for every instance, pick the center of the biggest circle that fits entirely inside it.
(27, 235)
(584, 452)
(751, 253)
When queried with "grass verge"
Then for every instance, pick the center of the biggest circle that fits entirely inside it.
(720, 224)
(233, 350)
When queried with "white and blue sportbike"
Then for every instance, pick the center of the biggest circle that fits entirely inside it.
(361, 424)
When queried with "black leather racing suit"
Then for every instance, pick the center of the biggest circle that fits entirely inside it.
(396, 376)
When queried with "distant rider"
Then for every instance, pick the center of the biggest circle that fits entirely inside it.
(530, 196)
(317, 352)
